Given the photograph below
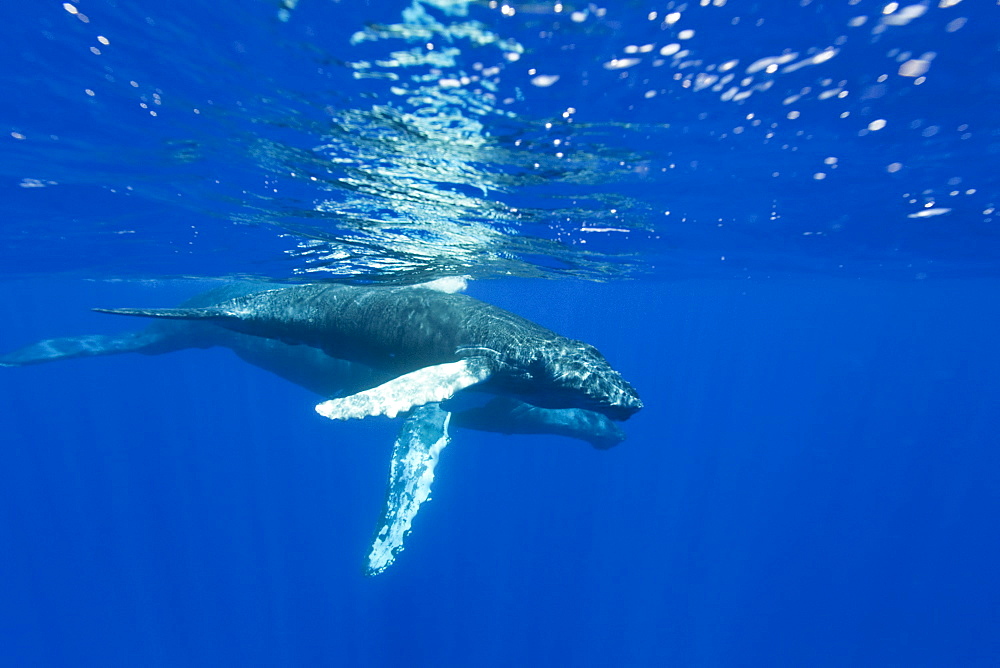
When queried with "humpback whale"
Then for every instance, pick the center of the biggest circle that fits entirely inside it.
(425, 431)
(433, 344)
(308, 367)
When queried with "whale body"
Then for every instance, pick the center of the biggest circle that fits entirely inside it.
(308, 367)
(433, 344)
(373, 351)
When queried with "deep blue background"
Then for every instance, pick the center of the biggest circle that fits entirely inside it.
(811, 483)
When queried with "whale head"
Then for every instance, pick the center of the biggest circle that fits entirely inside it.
(574, 374)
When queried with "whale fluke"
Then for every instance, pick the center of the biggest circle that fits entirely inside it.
(71, 347)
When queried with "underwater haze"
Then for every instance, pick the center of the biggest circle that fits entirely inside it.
(777, 220)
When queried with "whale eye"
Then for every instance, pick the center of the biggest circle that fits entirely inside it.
(536, 366)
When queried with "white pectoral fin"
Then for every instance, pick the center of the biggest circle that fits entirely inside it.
(418, 446)
(423, 386)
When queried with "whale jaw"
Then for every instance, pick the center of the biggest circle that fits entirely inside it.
(573, 374)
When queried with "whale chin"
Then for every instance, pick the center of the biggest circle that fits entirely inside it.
(619, 409)
(621, 413)
(615, 402)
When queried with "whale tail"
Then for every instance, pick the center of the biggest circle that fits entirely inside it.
(208, 313)
(51, 350)
(159, 338)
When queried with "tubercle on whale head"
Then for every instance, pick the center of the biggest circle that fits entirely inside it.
(578, 369)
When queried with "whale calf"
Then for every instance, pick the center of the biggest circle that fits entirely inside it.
(433, 344)
(425, 432)
(307, 367)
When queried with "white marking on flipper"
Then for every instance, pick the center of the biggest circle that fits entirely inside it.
(418, 446)
(423, 386)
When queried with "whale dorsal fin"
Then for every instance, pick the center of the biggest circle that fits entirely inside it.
(423, 386)
(449, 284)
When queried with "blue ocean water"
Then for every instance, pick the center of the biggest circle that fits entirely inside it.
(777, 220)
